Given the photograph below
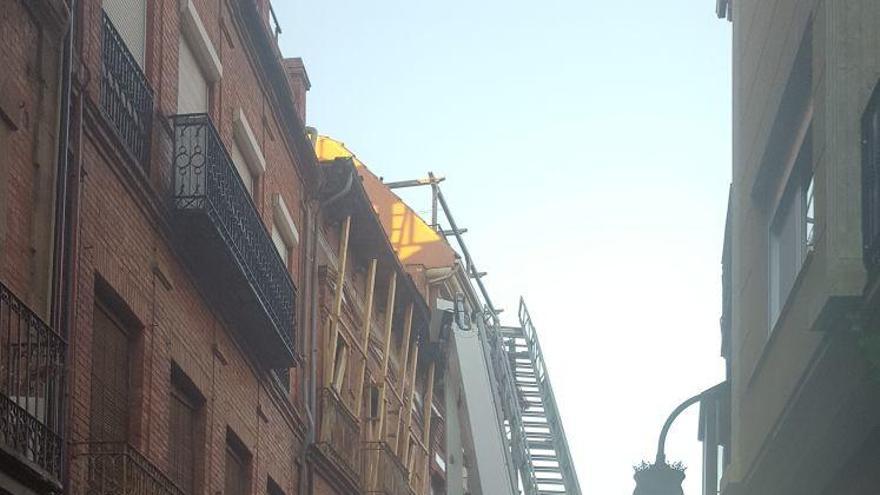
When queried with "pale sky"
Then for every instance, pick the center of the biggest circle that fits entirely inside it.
(586, 146)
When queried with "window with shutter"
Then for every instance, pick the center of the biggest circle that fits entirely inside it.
(280, 245)
(236, 479)
(110, 380)
(192, 86)
(129, 17)
(182, 445)
(241, 167)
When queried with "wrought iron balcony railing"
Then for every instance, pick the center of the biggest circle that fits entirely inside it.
(116, 468)
(340, 433)
(228, 244)
(31, 376)
(126, 98)
(383, 473)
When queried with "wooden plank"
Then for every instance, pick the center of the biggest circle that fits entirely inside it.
(337, 302)
(407, 333)
(386, 351)
(404, 434)
(365, 348)
(426, 425)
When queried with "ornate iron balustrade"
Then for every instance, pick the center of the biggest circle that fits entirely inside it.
(207, 185)
(126, 98)
(340, 433)
(383, 471)
(31, 376)
(116, 468)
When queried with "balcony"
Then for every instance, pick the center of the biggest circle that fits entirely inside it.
(126, 98)
(227, 245)
(31, 376)
(117, 469)
(340, 433)
(383, 472)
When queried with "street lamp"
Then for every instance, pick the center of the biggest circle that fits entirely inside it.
(661, 478)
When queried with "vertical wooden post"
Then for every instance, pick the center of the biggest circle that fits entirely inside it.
(403, 436)
(337, 302)
(407, 332)
(368, 316)
(426, 424)
(386, 351)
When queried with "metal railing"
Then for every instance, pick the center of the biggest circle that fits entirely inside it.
(383, 472)
(205, 179)
(274, 25)
(340, 433)
(554, 421)
(116, 468)
(126, 98)
(31, 376)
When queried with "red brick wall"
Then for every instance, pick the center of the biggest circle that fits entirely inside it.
(125, 244)
(30, 61)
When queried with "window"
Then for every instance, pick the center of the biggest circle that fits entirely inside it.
(129, 17)
(198, 63)
(340, 361)
(788, 163)
(184, 431)
(237, 460)
(284, 232)
(192, 86)
(791, 233)
(111, 377)
(280, 245)
(871, 182)
(373, 406)
(273, 488)
(241, 167)
(245, 152)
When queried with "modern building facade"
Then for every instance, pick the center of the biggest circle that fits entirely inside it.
(800, 411)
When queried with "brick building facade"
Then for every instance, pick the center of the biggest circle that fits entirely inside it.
(171, 262)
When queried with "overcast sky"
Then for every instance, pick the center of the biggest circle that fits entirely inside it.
(586, 146)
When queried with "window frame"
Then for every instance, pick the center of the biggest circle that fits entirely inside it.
(796, 191)
(794, 207)
(340, 364)
(236, 451)
(182, 389)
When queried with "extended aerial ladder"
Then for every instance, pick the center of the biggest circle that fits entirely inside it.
(546, 465)
(522, 396)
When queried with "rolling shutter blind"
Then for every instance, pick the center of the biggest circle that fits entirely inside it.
(182, 442)
(110, 381)
(192, 87)
(280, 245)
(129, 17)
(241, 167)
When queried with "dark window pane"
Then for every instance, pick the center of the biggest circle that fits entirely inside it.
(182, 441)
